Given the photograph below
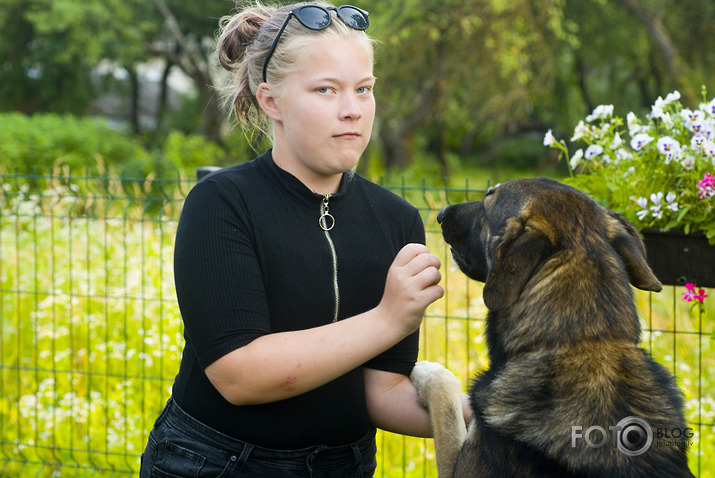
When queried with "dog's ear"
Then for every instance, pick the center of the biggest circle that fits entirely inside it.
(625, 240)
(522, 248)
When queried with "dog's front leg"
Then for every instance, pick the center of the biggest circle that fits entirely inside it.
(440, 392)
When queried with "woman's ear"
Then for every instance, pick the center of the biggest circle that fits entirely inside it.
(268, 102)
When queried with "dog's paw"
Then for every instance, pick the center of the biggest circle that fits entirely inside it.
(429, 378)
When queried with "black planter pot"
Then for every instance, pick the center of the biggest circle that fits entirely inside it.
(677, 258)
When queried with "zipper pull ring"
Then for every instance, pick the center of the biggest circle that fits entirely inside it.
(326, 221)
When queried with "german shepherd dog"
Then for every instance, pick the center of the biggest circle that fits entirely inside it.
(568, 393)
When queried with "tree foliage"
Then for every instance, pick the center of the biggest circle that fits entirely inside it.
(455, 78)
(468, 71)
(50, 49)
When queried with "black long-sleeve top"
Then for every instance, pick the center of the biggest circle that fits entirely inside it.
(251, 258)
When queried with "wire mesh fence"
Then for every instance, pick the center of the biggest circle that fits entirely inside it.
(91, 335)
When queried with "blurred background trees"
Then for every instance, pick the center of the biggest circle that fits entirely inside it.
(460, 82)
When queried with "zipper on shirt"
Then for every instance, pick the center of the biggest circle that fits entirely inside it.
(326, 222)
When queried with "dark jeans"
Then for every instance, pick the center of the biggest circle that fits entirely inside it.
(180, 446)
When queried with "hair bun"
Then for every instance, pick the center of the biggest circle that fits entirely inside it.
(238, 32)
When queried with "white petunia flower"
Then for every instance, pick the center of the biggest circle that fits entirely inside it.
(696, 126)
(580, 131)
(617, 141)
(667, 120)
(688, 162)
(690, 115)
(709, 149)
(643, 203)
(600, 112)
(640, 140)
(670, 97)
(672, 203)
(634, 127)
(549, 138)
(668, 147)
(697, 141)
(656, 110)
(593, 151)
(709, 108)
(657, 212)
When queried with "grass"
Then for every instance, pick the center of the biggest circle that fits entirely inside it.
(91, 336)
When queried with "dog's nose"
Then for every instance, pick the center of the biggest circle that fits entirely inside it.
(440, 216)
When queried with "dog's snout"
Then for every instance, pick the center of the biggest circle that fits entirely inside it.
(440, 215)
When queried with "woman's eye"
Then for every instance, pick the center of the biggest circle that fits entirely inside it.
(324, 90)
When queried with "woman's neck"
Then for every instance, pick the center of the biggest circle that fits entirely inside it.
(318, 183)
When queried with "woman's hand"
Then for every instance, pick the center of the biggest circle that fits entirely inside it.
(412, 285)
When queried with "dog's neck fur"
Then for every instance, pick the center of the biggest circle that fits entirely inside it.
(569, 310)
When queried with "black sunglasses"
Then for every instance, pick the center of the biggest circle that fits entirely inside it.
(316, 17)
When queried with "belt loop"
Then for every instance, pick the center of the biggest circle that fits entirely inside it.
(245, 453)
(311, 458)
(358, 456)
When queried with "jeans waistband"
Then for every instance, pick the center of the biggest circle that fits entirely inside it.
(178, 418)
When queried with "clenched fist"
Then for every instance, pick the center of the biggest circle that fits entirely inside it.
(412, 285)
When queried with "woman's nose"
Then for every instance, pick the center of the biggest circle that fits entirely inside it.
(350, 108)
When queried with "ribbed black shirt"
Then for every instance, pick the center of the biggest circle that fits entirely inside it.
(251, 259)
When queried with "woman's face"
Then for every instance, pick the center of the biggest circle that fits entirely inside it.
(325, 113)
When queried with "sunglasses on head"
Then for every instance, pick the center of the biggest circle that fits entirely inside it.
(316, 17)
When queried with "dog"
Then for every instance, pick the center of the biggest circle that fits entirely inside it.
(568, 392)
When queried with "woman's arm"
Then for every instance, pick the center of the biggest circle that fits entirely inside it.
(393, 405)
(282, 365)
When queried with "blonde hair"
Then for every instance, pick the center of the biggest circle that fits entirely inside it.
(243, 43)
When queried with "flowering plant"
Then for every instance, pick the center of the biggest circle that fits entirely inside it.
(692, 294)
(657, 171)
(696, 296)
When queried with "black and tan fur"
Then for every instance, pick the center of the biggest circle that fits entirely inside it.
(562, 333)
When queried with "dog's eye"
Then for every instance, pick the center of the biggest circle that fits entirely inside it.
(492, 190)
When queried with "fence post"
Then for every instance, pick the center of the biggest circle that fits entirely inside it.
(205, 171)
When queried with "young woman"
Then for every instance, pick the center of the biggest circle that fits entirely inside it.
(301, 284)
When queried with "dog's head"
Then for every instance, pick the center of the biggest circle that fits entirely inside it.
(519, 226)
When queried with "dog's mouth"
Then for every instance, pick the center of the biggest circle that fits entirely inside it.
(461, 261)
(469, 265)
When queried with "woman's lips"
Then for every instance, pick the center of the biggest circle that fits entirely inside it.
(348, 135)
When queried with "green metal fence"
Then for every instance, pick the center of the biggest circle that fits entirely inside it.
(91, 335)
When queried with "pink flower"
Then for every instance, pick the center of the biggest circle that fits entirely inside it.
(692, 294)
(706, 186)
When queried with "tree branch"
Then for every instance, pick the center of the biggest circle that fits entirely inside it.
(194, 65)
(663, 41)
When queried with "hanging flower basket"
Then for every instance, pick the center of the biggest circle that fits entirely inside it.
(678, 258)
(657, 170)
